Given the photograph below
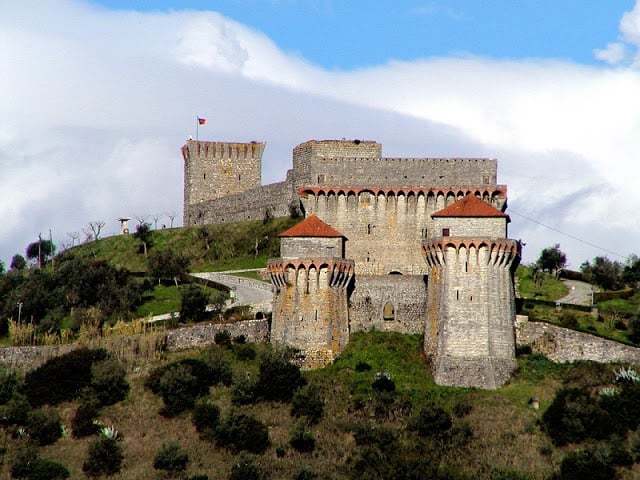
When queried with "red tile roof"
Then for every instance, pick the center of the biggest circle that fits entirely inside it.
(469, 206)
(311, 226)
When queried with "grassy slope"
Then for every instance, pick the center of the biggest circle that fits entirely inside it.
(629, 306)
(506, 433)
(164, 299)
(551, 288)
(237, 242)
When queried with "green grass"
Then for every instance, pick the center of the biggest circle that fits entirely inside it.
(551, 288)
(627, 307)
(231, 246)
(254, 275)
(164, 299)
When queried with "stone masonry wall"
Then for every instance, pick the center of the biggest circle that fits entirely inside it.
(565, 345)
(407, 294)
(470, 227)
(249, 205)
(309, 247)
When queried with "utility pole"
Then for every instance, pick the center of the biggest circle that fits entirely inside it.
(53, 267)
(19, 311)
(39, 250)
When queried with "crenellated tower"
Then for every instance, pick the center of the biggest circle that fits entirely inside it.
(215, 170)
(311, 281)
(469, 331)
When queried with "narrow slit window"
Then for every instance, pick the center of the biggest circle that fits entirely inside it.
(446, 232)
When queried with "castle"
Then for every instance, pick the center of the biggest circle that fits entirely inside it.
(412, 245)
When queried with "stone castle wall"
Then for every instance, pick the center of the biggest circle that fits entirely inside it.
(407, 295)
(471, 227)
(375, 221)
(311, 247)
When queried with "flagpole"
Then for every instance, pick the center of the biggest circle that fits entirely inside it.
(197, 125)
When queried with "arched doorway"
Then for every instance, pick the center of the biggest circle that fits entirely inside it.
(388, 312)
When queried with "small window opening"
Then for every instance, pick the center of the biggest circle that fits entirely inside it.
(316, 315)
(239, 178)
(369, 229)
(446, 232)
(471, 298)
(457, 294)
(204, 176)
(388, 312)
(466, 266)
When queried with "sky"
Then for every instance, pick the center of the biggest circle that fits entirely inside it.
(98, 97)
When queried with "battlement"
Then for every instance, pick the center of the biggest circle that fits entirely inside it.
(338, 148)
(481, 191)
(498, 251)
(286, 272)
(237, 150)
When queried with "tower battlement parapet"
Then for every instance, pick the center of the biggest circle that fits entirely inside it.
(206, 149)
(495, 251)
(337, 271)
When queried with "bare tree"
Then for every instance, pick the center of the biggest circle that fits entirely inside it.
(172, 216)
(74, 236)
(88, 235)
(96, 227)
(141, 219)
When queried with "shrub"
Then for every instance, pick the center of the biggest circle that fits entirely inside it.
(108, 381)
(194, 303)
(23, 459)
(8, 385)
(15, 411)
(624, 407)
(383, 383)
(462, 408)
(243, 432)
(244, 392)
(44, 427)
(179, 389)
(499, 474)
(574, 416)
(278, 378)
(171, 458)
(591, 464)
(240, 340)
(44, 469)
(61, 378)
(219, 367)
(568, 319)
(200, 369)
(307, 402)
(362, 367)
(431, 421)
(373, 435)
(222, 338)
(620, 325)
(280, 452)
(302, 439)
(244, 351)
(206, 416)
(245, 468)
(305, 474)
(83, 421)
(103, 458)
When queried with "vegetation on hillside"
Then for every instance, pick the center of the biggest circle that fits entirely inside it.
(533, 283)
(374, 413)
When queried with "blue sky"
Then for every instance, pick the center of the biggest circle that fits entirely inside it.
(356, 33)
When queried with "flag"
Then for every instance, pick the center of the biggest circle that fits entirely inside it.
(202, 121)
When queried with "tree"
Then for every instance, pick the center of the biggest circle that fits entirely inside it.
(194, 303)
(1, 268)
(156, 218)
(603, 272)
(74, 236)
(18, 263)
(96, 227)
(40, 250)
(172, 217)
(295, 209)
(631, 272)
(552, 259)
(168, 264)
(143, 233)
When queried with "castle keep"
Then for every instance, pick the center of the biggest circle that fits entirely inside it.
(413, 245)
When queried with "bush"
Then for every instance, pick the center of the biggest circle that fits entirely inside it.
(171, 458)
(499, 474)
(620, 325)
(240, 340)
(44, 469)
(219, 367)
(61, 378)
(624, 407)
(103, 458)
(568, 319)
(373, 435)
(383, 383)
(362, 367)
(278, 378)
(305, 474)
(206, 416)
(244, 351)
(202, 370)
(245, 468)
(302, 439)
(194, 303)
(83, 421)
(244, 392)
(23, 459)
(243, 432)
(15, 411)
(574, 416)
(307, 402)
(431, 421)
(109, 382)
(222, 338)
(462, 408)
(44, 427)
(591, 464)
(8, 385)
(179, 389)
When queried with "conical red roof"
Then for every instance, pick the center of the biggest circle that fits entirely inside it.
(311, 226)
(469, 206)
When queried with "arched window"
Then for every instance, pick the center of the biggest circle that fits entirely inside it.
(388, 312)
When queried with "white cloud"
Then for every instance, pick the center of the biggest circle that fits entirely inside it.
(613, 53)
(96, 104)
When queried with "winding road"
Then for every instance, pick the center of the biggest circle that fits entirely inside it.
(579, 293)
